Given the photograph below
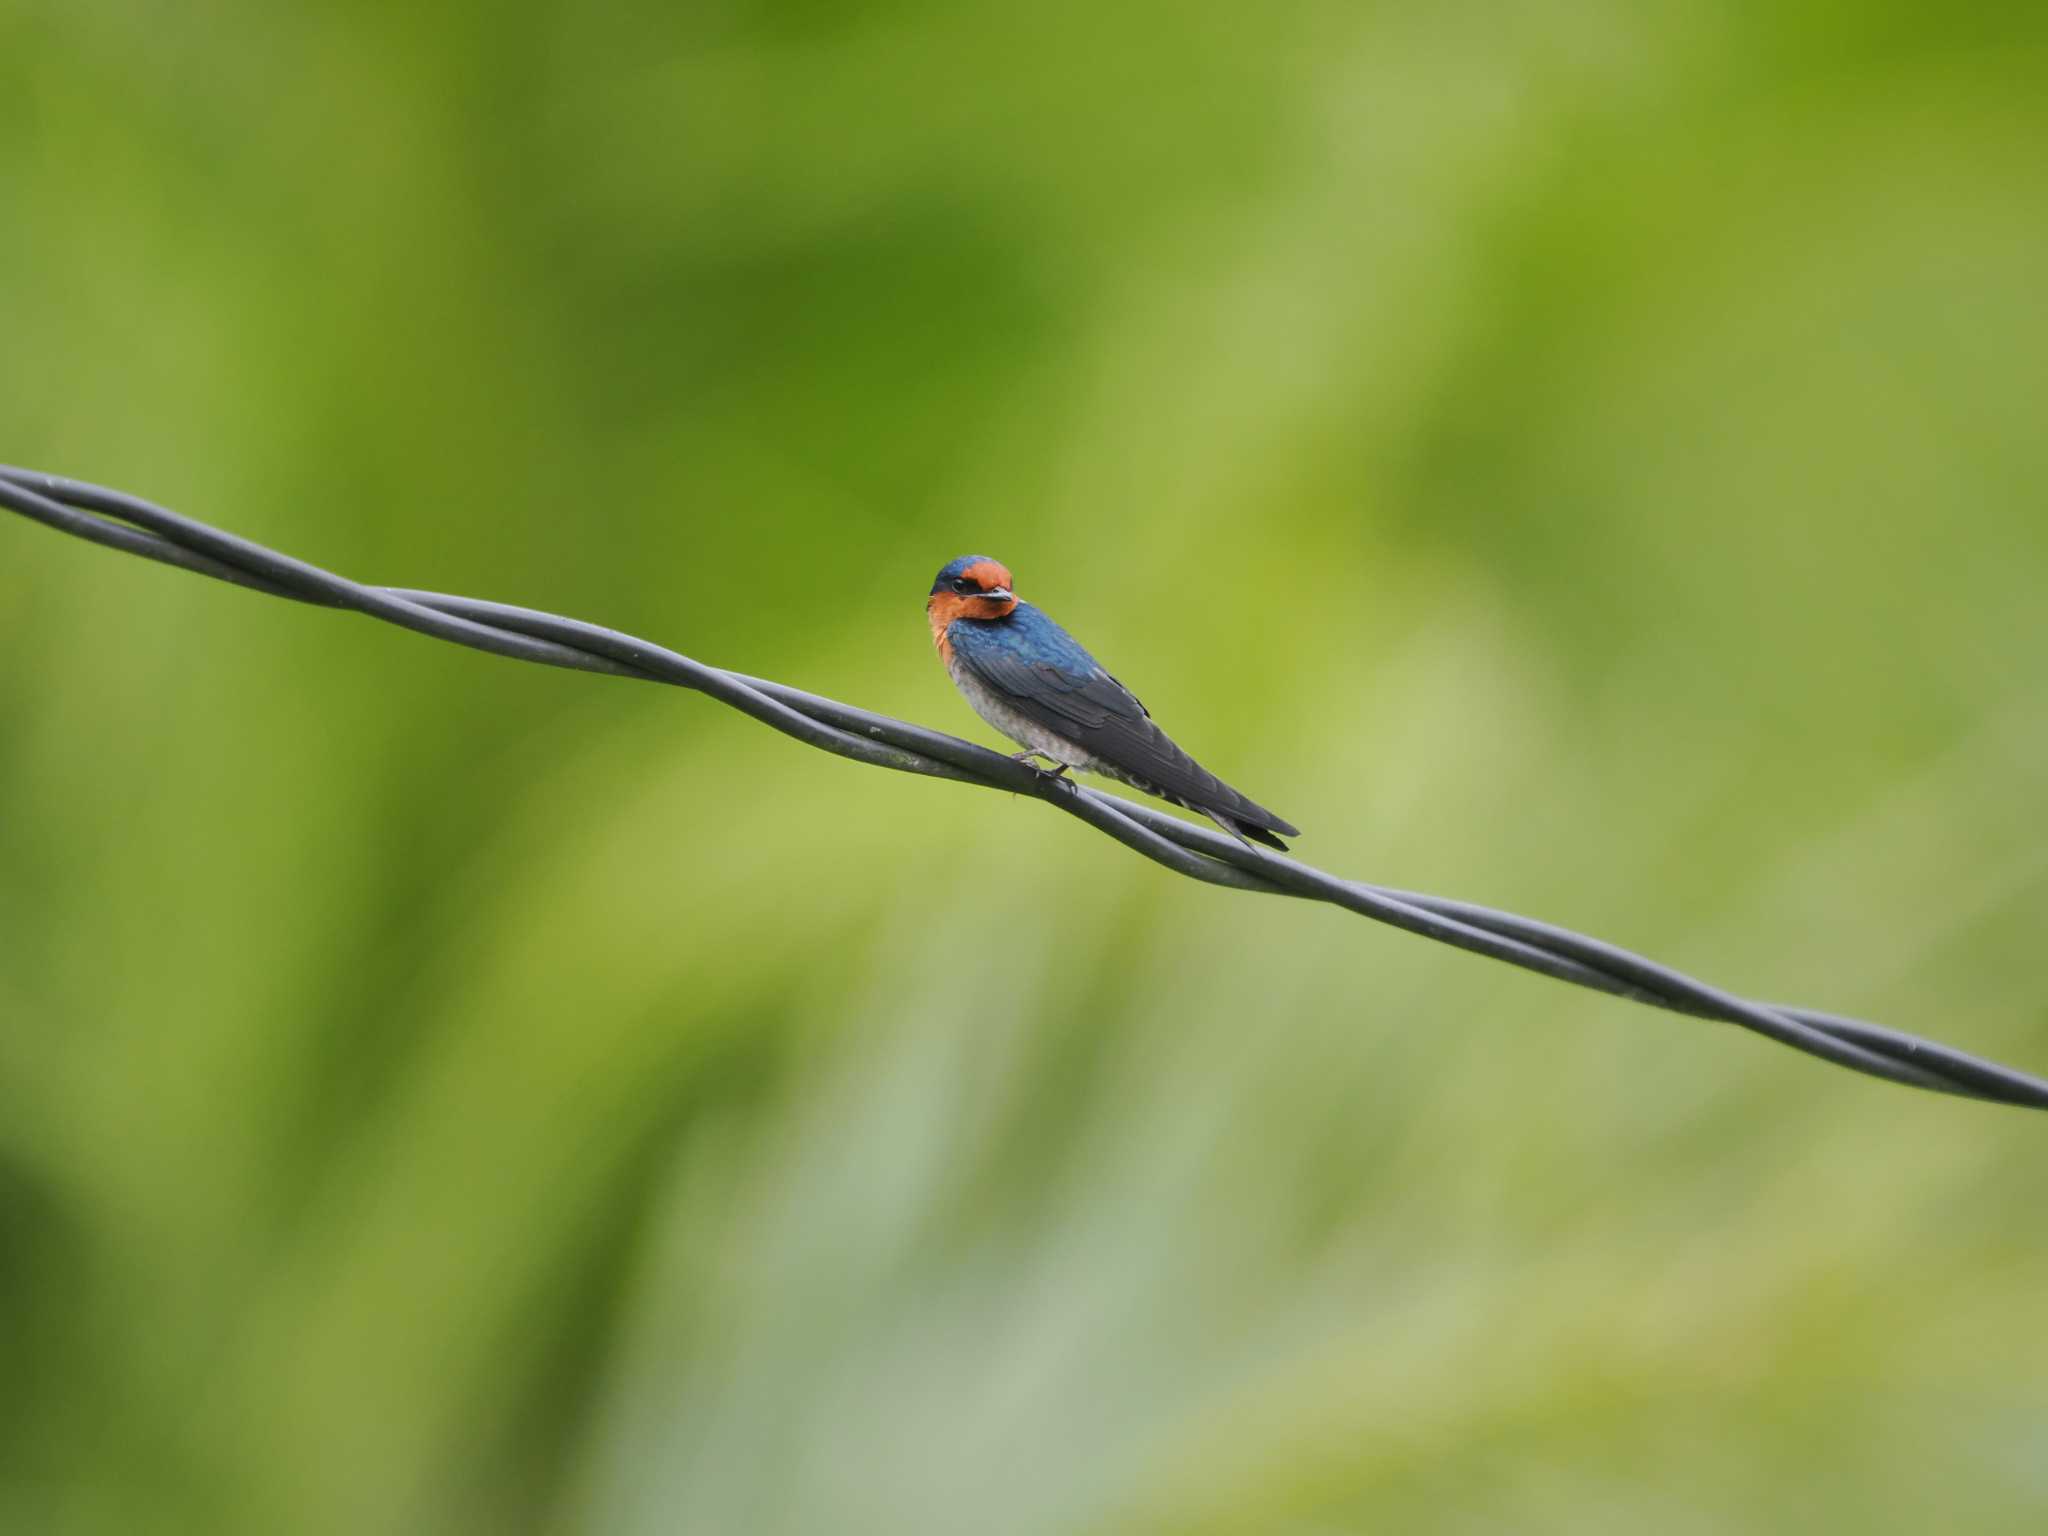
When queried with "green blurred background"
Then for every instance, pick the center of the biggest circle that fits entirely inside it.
(1583, 456)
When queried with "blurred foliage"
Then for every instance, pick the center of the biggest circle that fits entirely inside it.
(1584, 456)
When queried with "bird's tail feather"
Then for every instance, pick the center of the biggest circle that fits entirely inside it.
(1244, 831)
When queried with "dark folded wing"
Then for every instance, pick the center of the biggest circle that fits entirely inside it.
(1088, 707)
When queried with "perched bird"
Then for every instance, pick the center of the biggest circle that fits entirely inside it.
(1032, 681)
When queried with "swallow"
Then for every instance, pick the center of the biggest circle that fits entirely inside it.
(1036, 684)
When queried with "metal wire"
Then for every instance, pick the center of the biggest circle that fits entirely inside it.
(119, 521)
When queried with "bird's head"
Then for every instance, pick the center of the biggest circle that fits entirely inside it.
(972, 587)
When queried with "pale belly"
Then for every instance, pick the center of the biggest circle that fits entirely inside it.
(1023, 730)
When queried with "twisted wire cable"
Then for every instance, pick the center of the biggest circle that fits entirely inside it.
(116, 520)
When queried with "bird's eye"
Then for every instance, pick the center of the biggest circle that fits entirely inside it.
(965, 584)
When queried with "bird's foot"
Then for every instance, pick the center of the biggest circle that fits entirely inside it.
(1058, 770)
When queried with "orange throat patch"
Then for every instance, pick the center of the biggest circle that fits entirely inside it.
(941, 619)
(944, 607)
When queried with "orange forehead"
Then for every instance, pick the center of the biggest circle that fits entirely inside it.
(988, 573)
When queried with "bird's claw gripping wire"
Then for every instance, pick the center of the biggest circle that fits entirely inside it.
(1056, 772)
